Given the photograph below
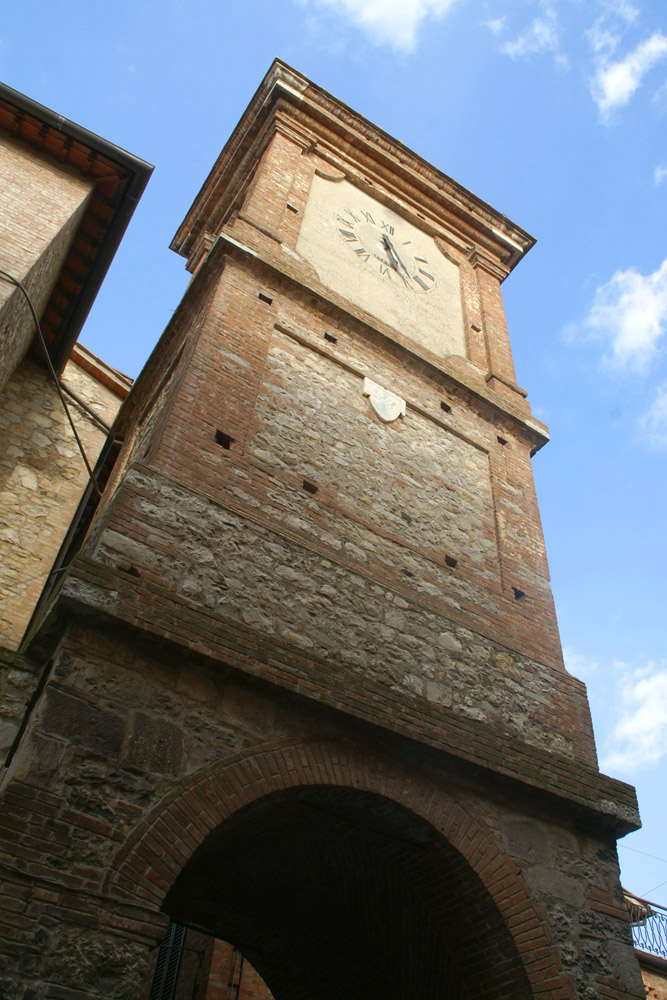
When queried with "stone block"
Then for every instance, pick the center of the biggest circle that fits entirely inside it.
(154, 744)
(75, 720)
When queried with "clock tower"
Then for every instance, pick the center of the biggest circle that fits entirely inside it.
(303, 688)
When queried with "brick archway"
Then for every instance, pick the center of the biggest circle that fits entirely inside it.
(151, 861)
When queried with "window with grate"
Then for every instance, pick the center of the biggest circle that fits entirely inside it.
(167, 964)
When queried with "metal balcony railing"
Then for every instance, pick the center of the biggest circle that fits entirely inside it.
(649, 925)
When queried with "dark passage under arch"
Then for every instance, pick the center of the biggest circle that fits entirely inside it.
(339, 894)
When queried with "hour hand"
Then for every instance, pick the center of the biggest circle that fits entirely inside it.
(393, 259)
(392, 253)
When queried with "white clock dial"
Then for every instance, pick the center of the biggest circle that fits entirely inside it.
(377, 260)
(386, 248)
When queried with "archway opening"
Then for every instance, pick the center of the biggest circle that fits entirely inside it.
(338, 894)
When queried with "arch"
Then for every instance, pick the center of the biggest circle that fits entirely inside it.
(150, 862)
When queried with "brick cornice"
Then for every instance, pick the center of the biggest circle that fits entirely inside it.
(484, 262)
(356, 146)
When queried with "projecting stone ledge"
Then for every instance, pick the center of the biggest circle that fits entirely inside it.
(113, 597)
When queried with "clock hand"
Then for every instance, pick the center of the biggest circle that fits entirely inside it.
(392, 253)
(393, 260)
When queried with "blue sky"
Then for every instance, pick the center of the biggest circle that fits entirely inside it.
(555, 112)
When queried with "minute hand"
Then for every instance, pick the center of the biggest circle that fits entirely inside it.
(392, 253)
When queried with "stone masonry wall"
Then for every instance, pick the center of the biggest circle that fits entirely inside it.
(213, 558)
(42, 478)
(400, 567)
(122, 728)
(238, 383)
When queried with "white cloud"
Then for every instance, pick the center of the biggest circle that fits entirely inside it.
(604, 34)
(621, 9)
(653, 424)
(495, 24)
(615, 17)
(626, 10)
(395, 23)
(639, 739)
(578, 664)
(659, 174)
(630, 313)
(602, 37)
(615, 82)
(660, 98)
(542, 35)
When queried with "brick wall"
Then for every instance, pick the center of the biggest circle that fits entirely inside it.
(232, 977)
(41, 204)
(655, 980)
(400, 571)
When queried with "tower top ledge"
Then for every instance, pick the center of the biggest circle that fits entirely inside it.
(365, 153)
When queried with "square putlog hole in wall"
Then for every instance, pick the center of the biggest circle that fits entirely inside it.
(224, 440)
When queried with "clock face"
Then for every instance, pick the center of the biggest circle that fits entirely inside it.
(385, 247)
(373, 257)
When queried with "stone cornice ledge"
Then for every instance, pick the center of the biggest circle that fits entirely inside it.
(114, 596)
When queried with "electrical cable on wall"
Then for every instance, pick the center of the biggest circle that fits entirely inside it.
(19, 284)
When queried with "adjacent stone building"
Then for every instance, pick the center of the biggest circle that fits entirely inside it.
(301, 687)
(42, 475)
(66, 196)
